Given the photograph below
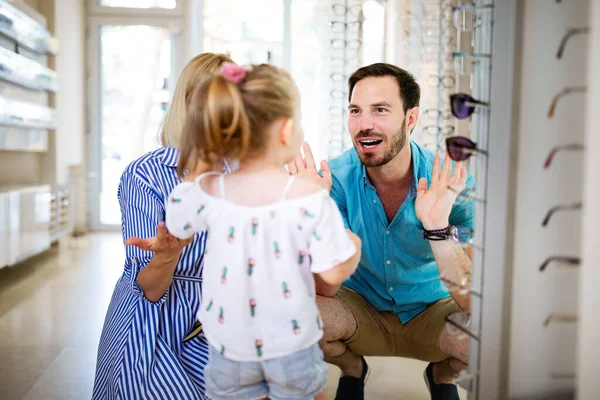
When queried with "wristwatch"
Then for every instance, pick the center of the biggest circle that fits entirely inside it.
(450, 232)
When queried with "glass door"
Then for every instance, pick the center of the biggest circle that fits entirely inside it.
(130, 88)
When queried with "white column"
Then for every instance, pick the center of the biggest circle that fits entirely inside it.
(70, 67)
(588, 363)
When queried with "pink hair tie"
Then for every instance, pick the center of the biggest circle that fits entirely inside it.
(233, 73)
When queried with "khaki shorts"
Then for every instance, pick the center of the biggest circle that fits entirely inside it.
(382, 333)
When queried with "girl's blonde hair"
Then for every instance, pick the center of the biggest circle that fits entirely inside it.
(198, 68)
(226, 120)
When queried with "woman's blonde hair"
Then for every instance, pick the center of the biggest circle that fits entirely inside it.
(202, 66)
(226, 120)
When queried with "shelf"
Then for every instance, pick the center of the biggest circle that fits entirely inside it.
(27, 73)
(27, 32)
(23, 139)
(16, 113)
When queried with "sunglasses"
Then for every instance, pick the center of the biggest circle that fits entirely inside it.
(463, 105)
(568, 34)
(563, 259)
(559, 317)
(461, 148)
(561, 207)
(556, 149)
(557, 96)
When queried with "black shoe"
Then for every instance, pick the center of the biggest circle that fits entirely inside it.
(350, 388)
(441, 391)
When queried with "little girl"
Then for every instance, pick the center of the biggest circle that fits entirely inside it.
(268, 233)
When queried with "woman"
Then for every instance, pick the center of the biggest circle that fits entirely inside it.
(142, 353)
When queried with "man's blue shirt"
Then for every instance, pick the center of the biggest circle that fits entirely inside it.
(397, 270)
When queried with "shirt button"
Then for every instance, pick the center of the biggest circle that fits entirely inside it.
(374, 201)
(391, 288)
(387, 232)
(388, 262)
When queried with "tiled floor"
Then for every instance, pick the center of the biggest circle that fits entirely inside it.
(51, 313)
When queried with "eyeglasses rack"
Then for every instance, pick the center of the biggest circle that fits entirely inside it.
(341, 28)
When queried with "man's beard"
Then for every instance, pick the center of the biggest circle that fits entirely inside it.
(397, 143)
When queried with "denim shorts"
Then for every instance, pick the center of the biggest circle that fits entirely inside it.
(299, 376)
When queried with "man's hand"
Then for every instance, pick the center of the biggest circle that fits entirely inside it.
(306, 168)
(433, 205)
(164, 245)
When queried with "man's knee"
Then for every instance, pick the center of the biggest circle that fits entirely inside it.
(338, 321)
(454, 346)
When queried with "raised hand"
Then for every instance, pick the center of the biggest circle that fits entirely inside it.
(306, 168)
(163, 244)
(433, 205)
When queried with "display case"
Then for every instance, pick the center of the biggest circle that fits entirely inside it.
(28, 221)
(34, 211)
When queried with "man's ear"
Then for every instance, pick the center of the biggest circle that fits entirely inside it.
(412, 116)
(286, 128)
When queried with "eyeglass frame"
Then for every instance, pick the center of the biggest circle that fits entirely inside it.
(556, 149)
(446, 114)
(560, 317)
(557, 97)
(566, 36)
(569, 260)
(560, 207)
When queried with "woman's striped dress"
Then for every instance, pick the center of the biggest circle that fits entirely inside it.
(141, 353)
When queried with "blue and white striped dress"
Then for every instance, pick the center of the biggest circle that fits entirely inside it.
(141, 353)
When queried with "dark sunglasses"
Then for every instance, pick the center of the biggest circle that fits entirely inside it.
(464, 105)
(461, 148)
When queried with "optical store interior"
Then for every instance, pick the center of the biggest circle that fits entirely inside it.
(452, 252)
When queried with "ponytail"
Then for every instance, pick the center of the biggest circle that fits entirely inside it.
(216, 124)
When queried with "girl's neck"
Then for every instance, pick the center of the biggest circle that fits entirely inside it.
(262, 164)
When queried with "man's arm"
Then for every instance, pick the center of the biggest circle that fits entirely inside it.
(454, 265)
(434, 206)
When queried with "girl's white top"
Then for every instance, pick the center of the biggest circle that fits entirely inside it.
(258, 299)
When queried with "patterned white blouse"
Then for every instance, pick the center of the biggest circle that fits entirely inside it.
(259, 292)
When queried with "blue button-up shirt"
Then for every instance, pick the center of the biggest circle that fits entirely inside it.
(397, 270)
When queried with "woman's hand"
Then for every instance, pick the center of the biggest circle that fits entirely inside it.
(163, 245)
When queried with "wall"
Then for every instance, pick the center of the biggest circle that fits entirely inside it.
(536, 351)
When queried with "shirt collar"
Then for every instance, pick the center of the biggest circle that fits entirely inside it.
(416, 162)
(170, 157)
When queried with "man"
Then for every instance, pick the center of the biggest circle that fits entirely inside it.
(391, 192)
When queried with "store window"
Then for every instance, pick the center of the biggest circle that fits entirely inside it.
(166, 4)
(373, 32)
(245, 32)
